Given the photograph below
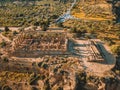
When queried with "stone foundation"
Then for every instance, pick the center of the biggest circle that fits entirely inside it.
(35, 43)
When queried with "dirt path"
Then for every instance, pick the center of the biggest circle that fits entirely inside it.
(11, 28)
(67, 15)
(4, 38)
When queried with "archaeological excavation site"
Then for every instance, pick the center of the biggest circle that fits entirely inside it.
(55, 57)
(59, 44)
(36, 43)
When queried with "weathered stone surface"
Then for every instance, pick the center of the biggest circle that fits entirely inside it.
(34, 43)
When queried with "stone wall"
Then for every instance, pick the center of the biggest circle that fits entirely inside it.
(35, 43)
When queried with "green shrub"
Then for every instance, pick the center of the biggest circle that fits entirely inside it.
(6, 29)
(115, 49)
(3, 44)
(14, 32)
(5, 59)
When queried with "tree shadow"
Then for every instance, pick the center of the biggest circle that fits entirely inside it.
(115, 9)
(106, 55)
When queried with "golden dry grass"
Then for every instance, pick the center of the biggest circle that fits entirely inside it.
(95, 12)
(82, 16)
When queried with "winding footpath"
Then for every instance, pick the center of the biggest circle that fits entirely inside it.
(67, 15)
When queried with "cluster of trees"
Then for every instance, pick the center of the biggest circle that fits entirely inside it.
(3, 2)
(26, 15)
(65, 1)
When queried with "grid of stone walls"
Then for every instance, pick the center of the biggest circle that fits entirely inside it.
(40, 43)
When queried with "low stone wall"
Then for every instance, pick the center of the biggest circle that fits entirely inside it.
(37, 53)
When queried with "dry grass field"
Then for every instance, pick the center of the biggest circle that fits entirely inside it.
(92, 11)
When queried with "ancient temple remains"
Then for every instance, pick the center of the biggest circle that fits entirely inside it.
(35, 43)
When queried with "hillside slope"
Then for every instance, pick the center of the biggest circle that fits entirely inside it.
(93, 10)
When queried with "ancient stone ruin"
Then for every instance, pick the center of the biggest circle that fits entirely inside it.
(35, 43)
